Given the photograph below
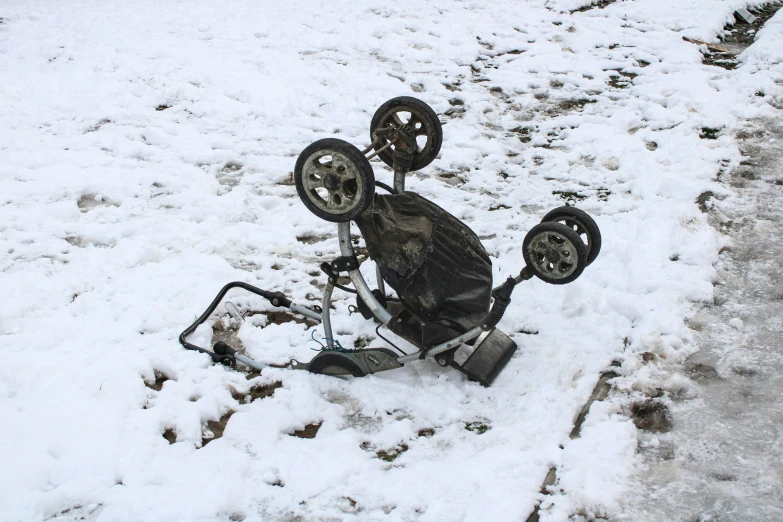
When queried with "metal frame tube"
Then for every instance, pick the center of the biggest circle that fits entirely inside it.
(327, 322)
(346, 249)
(250, 362)
(443, 347)
(379, 277)
(399, 181)
(306, 312)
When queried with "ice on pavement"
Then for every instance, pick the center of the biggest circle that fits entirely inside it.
(146, 152)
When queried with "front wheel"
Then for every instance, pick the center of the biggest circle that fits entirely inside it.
(554, 252)
(334, 180)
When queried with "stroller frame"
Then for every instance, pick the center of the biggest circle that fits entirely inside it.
(480, 352)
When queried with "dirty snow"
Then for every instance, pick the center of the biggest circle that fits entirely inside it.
(145, 160)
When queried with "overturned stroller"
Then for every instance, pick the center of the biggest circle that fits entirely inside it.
(445, 305)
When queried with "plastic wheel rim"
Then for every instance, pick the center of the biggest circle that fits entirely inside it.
(418, 125)
(553, 255)
(577, 226)
(333, 186)
(581, 223)
(334, 365)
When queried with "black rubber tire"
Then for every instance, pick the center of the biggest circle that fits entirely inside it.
(365, 190)
(577, 219)
(326, 359)
(429, 120)
(566, 234)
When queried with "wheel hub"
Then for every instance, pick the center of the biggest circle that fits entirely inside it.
(553, 255)
(331, 182)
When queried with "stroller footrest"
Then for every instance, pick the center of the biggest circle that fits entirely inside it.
(484, 361)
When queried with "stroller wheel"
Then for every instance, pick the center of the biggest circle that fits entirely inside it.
(334, 180)
(581, 222)
(416, 118)
(334, 363)
(554, 252)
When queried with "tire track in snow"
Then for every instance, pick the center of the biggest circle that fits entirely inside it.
(600, 392)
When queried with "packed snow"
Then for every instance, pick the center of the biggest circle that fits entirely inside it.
(146, 152)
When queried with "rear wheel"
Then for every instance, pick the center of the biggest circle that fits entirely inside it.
(581, 222)
(334, 363)
(417, 120)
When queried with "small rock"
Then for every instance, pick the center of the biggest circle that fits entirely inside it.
(737, 323)
(698, 321)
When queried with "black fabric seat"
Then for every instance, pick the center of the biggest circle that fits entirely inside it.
(434, 262)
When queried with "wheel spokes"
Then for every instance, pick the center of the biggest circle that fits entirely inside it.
(579, 228)
(553, 255)
(335, 201)
(321, 165)
(554, 239)
(314, 181)
(332, 182)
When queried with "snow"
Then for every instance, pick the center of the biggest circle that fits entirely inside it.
(119, 223)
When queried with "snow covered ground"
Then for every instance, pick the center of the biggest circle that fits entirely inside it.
(146, 151)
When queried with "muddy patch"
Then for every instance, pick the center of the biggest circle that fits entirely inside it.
(308, 432)
(257, 392)
(600, 4)
(549, 481)
(703, 199)
(709, 133)
(738, 36)
(701, 372)
(97, 126)
(392, 454)
(92, 201)
(363, 341)
(311, 240)
(498, 206)
(76, 512)
(170, 435)
(426, 432)
(569, 197)
(652, 416)
(214, 429)
(157, 384)
(600, 392)
(621, 80)
(227, 328)
(572, 105)
(524, 134)
(478, 427)
(451, 177)
(457, 109)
